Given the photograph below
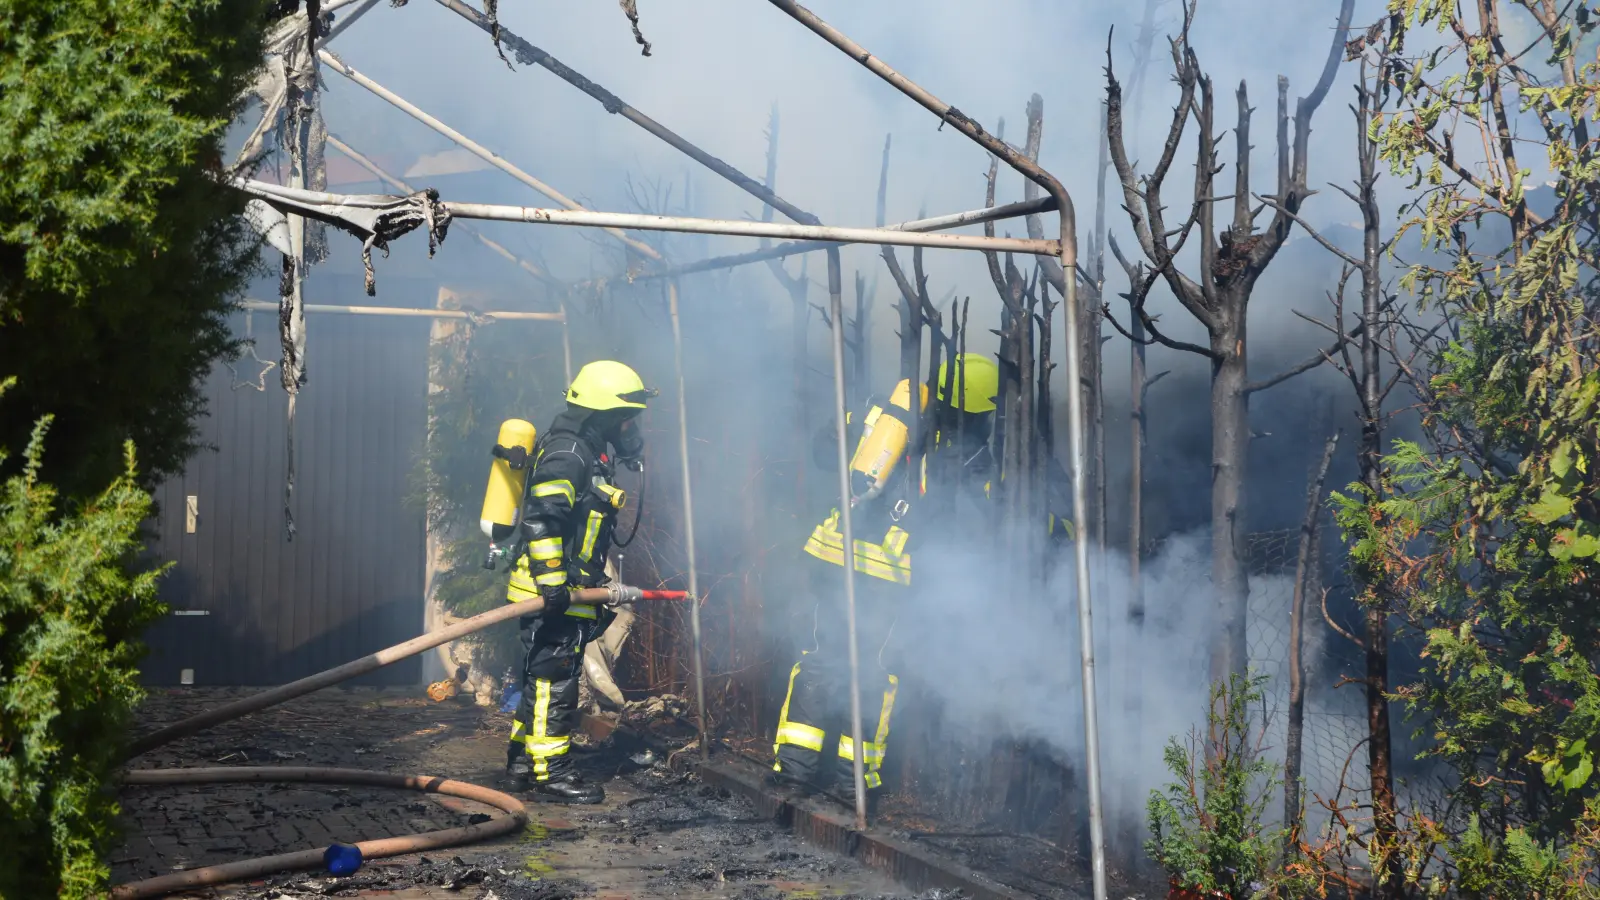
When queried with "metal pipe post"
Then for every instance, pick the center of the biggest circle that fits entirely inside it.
(688, 520)
(1080, 546)
(846, 528)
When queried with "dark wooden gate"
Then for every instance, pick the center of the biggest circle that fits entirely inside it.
(249, 607)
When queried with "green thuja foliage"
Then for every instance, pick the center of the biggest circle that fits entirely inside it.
(70, 616)
(481, 376)
(1517, 865)
(1206, 825)
(121, 244)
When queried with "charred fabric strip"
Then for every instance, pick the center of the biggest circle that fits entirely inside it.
(227, 712)
(376, 219)
(630, 8)
(312, 859)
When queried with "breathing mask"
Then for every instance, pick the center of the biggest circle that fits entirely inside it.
(628, 441)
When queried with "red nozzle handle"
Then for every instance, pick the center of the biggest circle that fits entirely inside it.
(622, 593)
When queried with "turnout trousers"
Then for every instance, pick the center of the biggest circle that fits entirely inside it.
(552, 664)
(814, 743)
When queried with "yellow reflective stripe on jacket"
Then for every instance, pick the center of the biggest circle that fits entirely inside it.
(545, 548)
(887, 560)
(582, 611)
(522, 584)
(591, 532)
(561, 487)
(555, 578)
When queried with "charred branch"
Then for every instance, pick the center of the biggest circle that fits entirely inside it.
(527, 54)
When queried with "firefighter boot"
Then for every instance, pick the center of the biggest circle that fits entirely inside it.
(518, 771)
(569, 788)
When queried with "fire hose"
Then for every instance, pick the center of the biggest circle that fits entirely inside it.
(311, 859)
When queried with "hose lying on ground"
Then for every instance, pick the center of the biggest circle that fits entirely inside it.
(312, 859)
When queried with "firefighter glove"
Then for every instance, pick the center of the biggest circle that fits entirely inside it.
(516, 456)
(557, 600)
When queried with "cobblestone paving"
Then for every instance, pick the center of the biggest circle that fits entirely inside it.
(659, 834)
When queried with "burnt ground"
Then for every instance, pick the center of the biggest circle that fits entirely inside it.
(658, 834)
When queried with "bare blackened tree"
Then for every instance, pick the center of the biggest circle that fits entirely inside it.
(1232, 260)
(1016, 424)
(1023, 352)
(1138, 382)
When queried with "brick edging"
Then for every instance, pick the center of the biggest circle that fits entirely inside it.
(823, 825)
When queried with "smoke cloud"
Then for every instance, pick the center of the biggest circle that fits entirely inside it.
(1005, 660)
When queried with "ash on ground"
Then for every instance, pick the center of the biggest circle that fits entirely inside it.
(658, 834)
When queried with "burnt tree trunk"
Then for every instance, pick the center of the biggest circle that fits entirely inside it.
(797, 289)
(1232, 257)
(1137, 385)
(1230, 447)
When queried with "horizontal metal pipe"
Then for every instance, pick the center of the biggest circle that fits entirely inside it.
(312, 859)
(939, 223)
(409, 312)
(831, 234)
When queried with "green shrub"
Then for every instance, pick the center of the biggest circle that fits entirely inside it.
(1205, 826)
(120, 247)
(70, 615)
(1519, 867)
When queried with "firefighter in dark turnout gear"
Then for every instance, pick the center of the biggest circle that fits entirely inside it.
(569, 512)
(814, 746)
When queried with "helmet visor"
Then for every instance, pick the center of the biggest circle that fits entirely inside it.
(640, 395)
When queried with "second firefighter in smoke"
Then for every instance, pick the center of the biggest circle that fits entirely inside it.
(895, 505)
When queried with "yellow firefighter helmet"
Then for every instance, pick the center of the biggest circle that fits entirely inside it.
(977, 379)
(608, 384)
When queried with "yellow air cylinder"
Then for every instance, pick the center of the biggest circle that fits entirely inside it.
(503, 498)
(884, 437)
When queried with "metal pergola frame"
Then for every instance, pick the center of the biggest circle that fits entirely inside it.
(295, 199)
